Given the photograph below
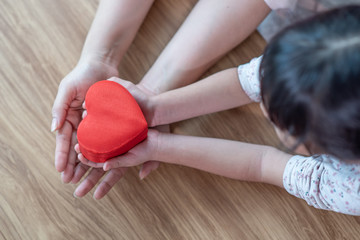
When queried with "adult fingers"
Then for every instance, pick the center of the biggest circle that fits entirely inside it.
(79, 172)
(89, 182)
(63, 142)
(147, 168)
(61, 106)
(68, 173)
(113, 176)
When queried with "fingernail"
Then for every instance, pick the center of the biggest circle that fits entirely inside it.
(106, 167)
(54, 125)
(62, 177)
(75, 196)
(142, 175)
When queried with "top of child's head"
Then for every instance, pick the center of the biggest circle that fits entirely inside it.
(310, 82)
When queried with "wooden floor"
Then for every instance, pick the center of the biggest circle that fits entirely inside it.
(40, 42)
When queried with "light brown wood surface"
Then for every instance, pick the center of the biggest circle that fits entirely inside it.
(40, 42)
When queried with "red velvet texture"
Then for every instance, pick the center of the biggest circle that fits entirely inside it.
(114, 123)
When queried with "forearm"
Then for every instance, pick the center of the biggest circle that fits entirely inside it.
(231, 159)
(217, 92)
(211, 30)
(114, 28)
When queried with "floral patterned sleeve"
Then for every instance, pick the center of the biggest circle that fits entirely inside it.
(324, 182)
(249, 78)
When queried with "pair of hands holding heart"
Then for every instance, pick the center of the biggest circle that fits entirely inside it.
(115, 126)
(67, 113)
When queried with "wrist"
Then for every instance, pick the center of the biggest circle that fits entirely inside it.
(159, 113)
(153, 106)
(107, 57)
(154, 139)
(161, 143)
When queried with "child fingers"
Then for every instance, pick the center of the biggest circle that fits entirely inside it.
(83, 105)
(84, 114)
(77, 148)
(124, 83)
(89, 163)
(126, 160)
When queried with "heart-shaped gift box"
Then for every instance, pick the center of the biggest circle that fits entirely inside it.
(114, 123)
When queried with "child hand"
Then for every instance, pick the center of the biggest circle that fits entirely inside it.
(141, 153)
(66, 111)
(142, 96)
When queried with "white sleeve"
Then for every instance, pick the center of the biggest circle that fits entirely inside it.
(324, 182)
(249, 78)
(281, 4)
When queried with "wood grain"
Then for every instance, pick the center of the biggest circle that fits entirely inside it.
(40, 42)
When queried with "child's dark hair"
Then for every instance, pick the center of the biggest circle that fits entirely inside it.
(310, 81)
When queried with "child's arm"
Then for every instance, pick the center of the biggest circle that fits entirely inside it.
(303, 177)
(217, 92)
(227, 158)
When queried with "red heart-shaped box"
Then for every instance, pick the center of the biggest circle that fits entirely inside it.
(114, 123)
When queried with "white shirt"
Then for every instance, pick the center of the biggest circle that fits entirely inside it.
(323, 181)
(281, 4)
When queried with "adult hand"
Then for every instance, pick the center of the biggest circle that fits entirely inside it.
(67, 110)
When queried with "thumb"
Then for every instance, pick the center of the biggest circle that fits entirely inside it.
(61, 106)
